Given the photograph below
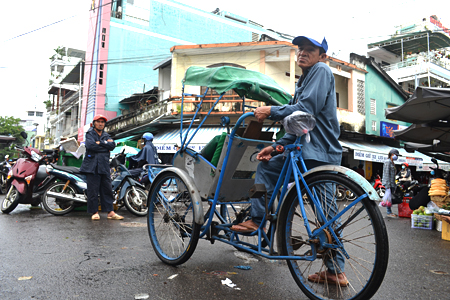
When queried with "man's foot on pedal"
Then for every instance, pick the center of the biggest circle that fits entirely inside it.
(329, 278)
(245, 227)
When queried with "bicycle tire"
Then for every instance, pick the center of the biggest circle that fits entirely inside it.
(171, 220)
(364, 219)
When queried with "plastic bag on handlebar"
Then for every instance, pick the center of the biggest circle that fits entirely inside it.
(299, 123)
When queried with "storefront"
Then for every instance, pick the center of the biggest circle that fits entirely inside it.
(372, 156)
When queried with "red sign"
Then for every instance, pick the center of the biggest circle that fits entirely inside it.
(80, 134)
(439, 24)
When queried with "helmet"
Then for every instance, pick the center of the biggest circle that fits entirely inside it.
(98, 117)
(148, 136)
(406, 165)
(394, 151)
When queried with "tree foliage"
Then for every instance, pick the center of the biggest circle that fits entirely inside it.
(10, 126)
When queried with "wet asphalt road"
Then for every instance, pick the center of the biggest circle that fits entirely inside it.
(72, 257)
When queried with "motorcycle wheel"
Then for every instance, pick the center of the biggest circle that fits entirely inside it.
(136, 202)
(55, 206)
(380, 191)
(11, 202)
(2, 183)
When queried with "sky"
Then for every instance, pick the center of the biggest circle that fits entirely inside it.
(348, 25)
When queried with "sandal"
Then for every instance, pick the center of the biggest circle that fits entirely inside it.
(115, 217)
(245, 227)
(95, 216)
(327, 277)
(392, 216)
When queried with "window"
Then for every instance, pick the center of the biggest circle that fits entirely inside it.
(374, 125)
(39, 114)
(373, 107)
(101, 74)
(31, 113)
(103, 44)
(100, 81)
(102, 66)
(391, 106)
(103, 30)
(361, 100)
(29, 123)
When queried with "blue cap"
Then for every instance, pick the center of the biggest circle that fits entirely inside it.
(323, 45)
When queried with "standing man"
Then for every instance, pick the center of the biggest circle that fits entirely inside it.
(360, 170)
(315, 94)
(96, 166)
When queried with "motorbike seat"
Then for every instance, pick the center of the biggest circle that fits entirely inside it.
(73, 170)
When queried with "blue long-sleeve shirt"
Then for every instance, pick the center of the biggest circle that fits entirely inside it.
(315, 95)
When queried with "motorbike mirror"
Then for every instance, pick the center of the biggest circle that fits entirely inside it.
(434, 161)
(24, 134)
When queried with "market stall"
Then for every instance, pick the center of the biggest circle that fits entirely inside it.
(429, 111)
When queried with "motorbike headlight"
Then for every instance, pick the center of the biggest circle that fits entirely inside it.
(10, 173)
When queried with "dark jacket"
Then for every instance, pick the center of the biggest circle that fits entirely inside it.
(148, 154)
(97, 155)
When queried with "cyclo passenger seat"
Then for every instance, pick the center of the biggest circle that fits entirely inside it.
(241, 168)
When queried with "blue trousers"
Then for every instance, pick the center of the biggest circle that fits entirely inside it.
(99, 184)
(268, 174)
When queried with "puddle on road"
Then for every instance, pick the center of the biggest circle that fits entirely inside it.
(133, 224)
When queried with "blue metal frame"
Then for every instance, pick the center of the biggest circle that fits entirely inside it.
(294, 158)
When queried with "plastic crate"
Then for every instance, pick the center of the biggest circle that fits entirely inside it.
(422, 222)
(403, 208)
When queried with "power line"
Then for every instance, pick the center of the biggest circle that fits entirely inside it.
(40, 28)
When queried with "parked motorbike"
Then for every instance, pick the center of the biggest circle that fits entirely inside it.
(27, 180)
(4, 170)
(70, 191)
(379, 187)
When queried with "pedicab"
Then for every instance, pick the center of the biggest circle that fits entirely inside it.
(305, 224)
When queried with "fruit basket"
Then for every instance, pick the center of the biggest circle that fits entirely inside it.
(422, 222)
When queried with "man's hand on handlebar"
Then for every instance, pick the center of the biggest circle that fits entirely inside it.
(261, 113)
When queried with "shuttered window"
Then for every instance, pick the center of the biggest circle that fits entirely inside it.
(373, 107)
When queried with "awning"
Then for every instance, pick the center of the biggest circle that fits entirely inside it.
(379, 153)
(124, 139)
(165, 140)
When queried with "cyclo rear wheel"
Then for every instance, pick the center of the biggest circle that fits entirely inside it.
(171, 226)
(361, 230)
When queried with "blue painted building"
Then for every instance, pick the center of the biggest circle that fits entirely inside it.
(128, 37)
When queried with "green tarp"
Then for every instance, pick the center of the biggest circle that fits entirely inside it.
(251, 84)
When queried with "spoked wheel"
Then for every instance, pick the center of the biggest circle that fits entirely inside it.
(361, 230)
(136, 201)
(171, 227)
(11, 200)
(59, 207)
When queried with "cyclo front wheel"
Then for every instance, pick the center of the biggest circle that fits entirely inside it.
(171, 226)
(361, 230)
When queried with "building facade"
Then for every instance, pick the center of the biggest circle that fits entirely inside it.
(127, 38)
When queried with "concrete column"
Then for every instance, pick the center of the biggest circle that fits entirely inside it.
(262, 61)
(292, 62)
(351, 92)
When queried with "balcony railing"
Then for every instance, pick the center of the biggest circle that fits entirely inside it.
(226, 105)
(417, 61)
